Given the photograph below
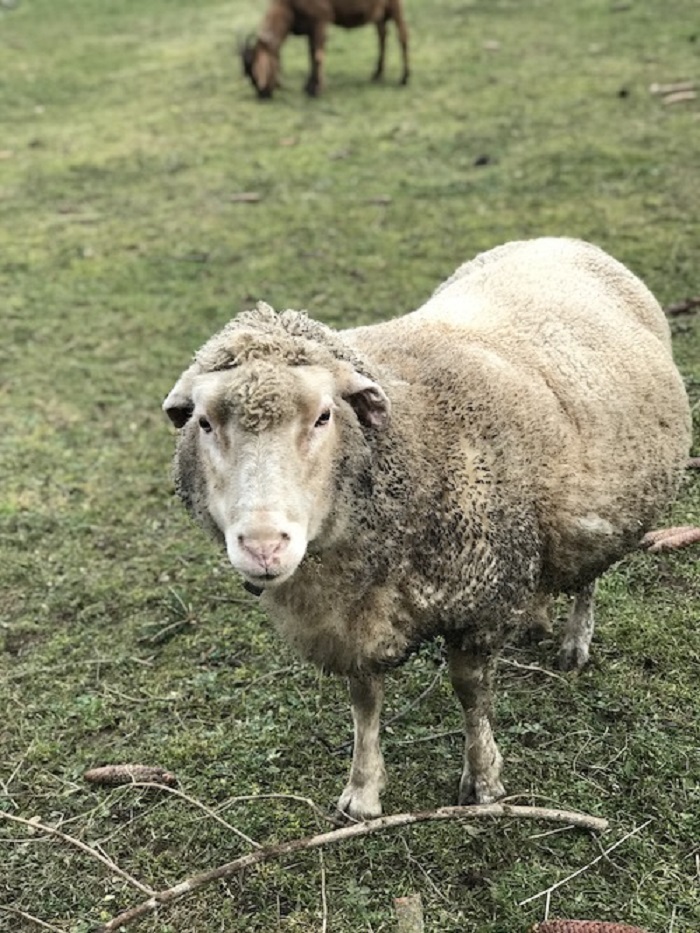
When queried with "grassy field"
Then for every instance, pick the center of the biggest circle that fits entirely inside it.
(126, 135)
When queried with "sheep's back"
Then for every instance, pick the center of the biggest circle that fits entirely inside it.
(566, 356)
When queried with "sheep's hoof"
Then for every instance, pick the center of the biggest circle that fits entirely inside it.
(572, 656)
(404, 79)
(377, 76)
(312, 88)
(479, 790)
(360, 803)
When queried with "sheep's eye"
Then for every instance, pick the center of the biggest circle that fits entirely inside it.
(323, 418)
(205, 425)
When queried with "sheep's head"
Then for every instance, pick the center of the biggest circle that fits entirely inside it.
(260, 65)
(260, 454)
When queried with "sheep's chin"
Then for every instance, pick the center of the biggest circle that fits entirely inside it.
(267, 581)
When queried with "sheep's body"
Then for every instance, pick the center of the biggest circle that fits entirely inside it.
(312, 18)
(538, 425)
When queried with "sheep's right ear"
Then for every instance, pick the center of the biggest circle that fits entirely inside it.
(367, 398)
(178, 405)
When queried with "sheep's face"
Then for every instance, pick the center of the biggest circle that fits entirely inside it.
(261, 66)
(267, 442)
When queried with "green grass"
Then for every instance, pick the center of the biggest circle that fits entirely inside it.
(126, 130)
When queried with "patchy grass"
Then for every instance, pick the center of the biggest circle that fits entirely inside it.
(127, 130)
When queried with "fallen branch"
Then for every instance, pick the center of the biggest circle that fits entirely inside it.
(190, 885)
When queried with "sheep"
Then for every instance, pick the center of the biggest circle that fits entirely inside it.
(438, 474)
(261, 54)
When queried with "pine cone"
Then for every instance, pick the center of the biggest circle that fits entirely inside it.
(130, 774)
(583, 926)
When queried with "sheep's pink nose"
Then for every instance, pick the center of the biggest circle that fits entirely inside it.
(265, 549)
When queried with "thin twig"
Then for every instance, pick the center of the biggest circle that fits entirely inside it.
(195, 803)
(25, 916)
(248, 798)
(419, 699)
(324, 902)
(348, 743)
(431, 737)
(71, 840)
(414, 861)
(579, 871)
(534, 668)
(189, 885)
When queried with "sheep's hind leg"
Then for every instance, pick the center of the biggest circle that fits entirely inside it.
(360, 798)
(578, 632)
(317, 54)
(472, 679)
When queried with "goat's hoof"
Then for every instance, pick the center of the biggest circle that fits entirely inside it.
(377, 77)
(312, 88)
(404, 80)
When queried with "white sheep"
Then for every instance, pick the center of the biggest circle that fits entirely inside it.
(439, 473)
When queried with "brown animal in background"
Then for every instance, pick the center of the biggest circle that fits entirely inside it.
(261, 53)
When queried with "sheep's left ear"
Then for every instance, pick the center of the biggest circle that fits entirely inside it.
(179, 405)
(369, 401)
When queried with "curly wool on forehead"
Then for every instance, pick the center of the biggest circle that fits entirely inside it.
(262, 395)
(290, 336)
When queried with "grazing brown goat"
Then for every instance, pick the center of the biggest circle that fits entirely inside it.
(261, 53)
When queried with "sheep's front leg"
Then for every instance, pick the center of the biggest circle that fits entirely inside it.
(578, 632)
(381, 35)
(397, 12)
(360, 799)
(317, 53)
(472, 679)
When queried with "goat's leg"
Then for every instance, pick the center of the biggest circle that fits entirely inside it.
(472, 679)
(360, 798)
(381, 34)
(317, 54)
(578, 632)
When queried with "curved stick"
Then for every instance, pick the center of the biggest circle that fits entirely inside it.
(189, 885)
